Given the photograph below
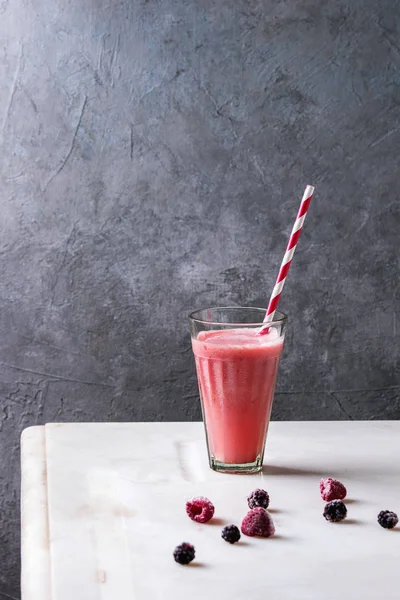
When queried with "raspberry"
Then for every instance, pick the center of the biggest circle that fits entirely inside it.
(332, 489)
(184, 553)
(258, 498)
(200, 509)
(335, 511)
(231, 534)
(387, 519)
(258, 522)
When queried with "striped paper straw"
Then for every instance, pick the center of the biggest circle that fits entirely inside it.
(287, 259)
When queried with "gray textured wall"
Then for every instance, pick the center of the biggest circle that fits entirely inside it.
(153, 155)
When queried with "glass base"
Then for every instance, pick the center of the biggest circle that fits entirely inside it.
(244, 469)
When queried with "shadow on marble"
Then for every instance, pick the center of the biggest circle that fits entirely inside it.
(218, 522)
(349, 522)
(273, 470)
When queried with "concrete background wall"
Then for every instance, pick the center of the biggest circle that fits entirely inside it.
(153, 155)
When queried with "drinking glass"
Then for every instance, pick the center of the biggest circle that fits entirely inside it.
(236, 372)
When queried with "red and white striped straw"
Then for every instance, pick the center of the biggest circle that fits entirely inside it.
(287, 259)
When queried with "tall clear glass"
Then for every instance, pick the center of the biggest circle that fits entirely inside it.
(236, 372)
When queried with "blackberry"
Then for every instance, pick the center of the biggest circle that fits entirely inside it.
(231, 534)
(258, 498)
(184, 553)
(387, 519)
(335, 511)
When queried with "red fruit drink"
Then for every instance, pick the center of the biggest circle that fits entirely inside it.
(237, 371)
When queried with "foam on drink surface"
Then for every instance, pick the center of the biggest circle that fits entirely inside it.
(245, 336)
(228, 343)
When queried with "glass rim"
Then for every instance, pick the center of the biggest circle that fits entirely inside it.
(281, 319)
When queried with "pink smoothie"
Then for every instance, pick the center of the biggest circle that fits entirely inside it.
(237, 371)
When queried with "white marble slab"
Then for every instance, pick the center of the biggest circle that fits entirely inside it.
(115, 510)
(35, 540)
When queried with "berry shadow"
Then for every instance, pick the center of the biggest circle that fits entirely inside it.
(217, 522)
(349, 522)
(351, 501)
(275, 511)
(198, 565)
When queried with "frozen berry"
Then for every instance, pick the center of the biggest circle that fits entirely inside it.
(332, 489)
(388, 519)
(231, 534)
(200, 509)
(335, 511)
(258, 522)
(258, 498)
(184, 553)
